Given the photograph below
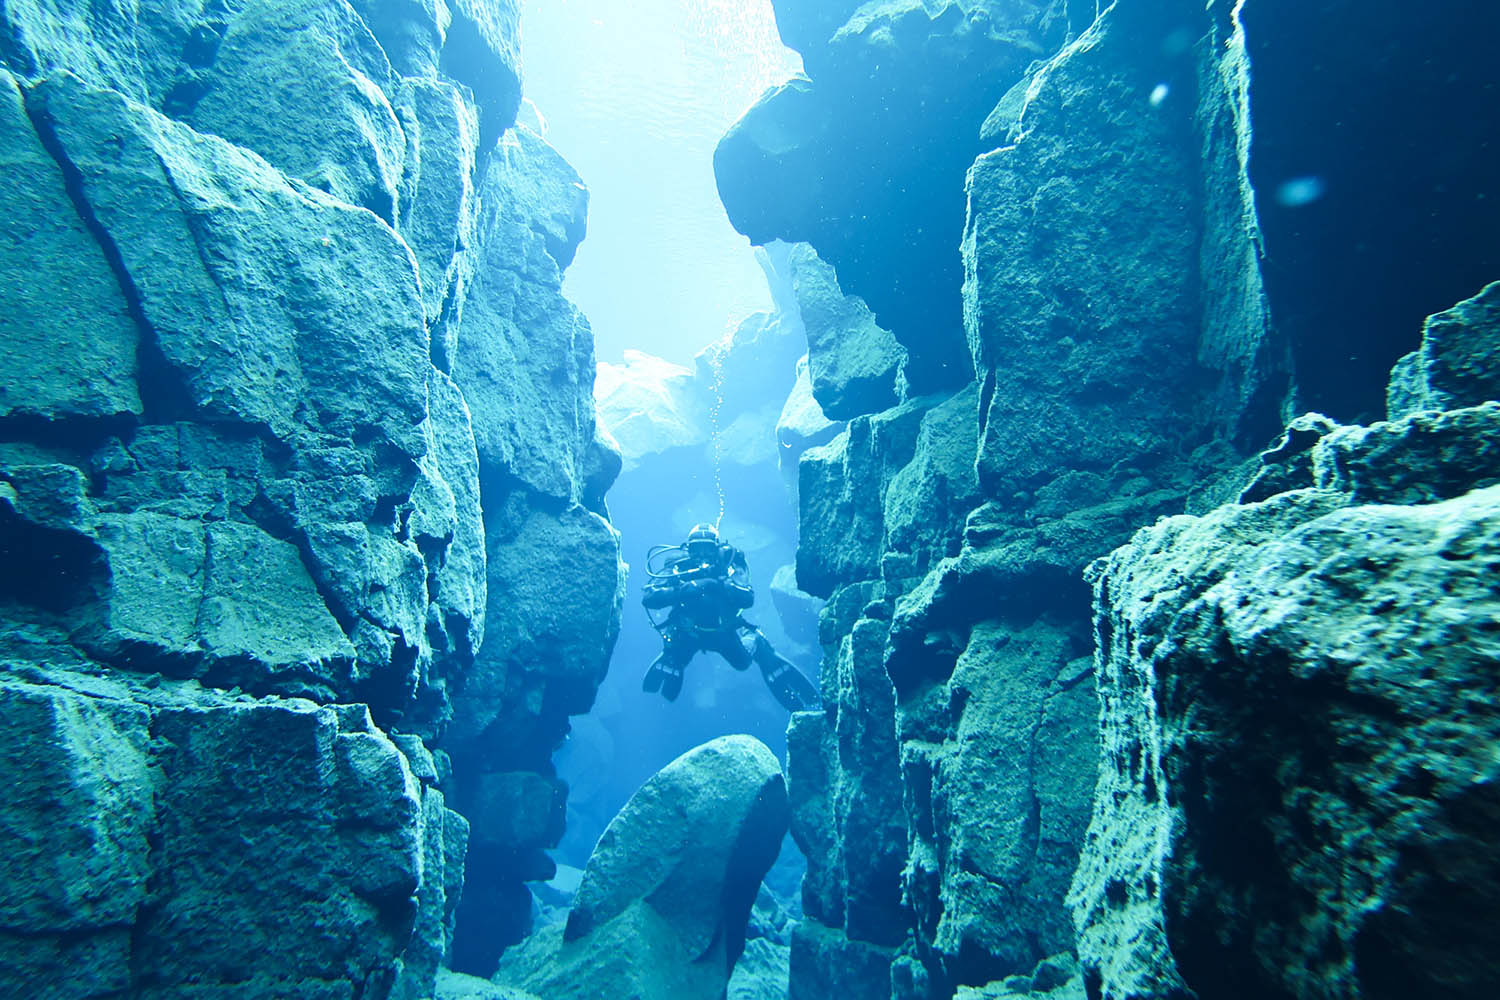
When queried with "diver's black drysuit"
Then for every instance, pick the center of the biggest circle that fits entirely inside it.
(705, 594)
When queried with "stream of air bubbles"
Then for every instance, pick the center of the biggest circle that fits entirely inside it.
(715, 353)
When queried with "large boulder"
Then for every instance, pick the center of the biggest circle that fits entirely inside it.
(1335, 660)
(663, 904)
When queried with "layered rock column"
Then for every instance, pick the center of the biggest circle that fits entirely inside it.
(272, 282)
(1112, 311)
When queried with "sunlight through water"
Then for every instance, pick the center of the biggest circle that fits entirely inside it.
(636, 96)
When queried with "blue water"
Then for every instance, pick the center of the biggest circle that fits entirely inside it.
(636, 96)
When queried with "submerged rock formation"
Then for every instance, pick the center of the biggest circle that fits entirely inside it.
(876, 139)
(943, 796)
(292, 414)
(662, 908)
(1127, 365)
(1300, 711)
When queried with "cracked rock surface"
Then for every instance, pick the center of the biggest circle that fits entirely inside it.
(291, 406)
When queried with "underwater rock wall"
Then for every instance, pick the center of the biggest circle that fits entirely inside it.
(293, 415)
(1114, 319)
(1284, 694)
(1300, 712)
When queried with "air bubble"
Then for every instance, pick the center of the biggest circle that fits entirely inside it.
(1300, 191)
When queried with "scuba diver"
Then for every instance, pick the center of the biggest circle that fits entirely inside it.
(704, 584)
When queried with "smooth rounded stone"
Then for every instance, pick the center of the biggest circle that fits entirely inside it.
(67, 341)
(317, 65)
(662, 907)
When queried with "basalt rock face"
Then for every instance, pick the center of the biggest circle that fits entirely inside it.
(1298, 789)
(265, 476)
(1112, 308)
